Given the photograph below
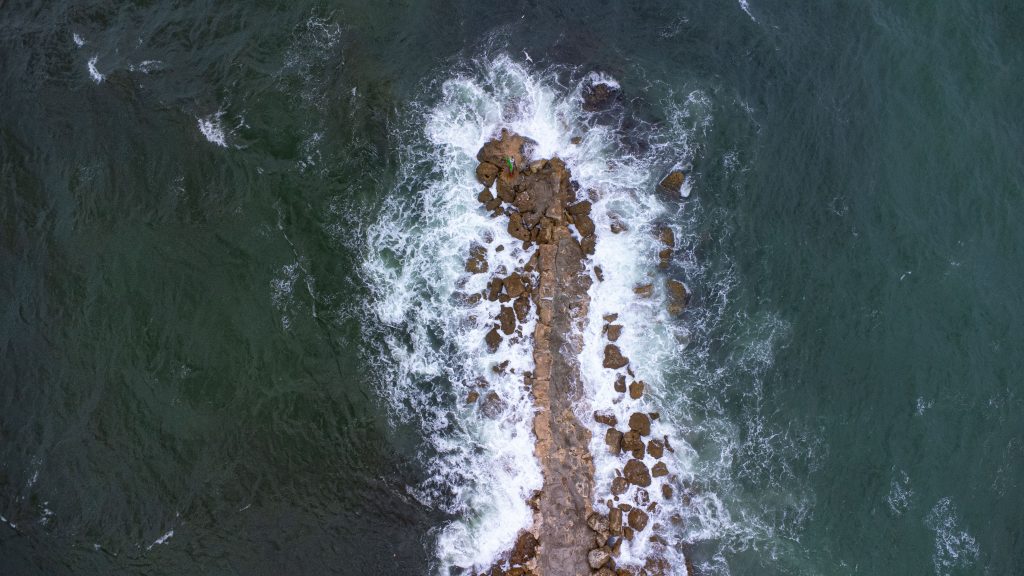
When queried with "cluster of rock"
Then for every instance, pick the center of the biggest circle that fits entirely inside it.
(539, 199)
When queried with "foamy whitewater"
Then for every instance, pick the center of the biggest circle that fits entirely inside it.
(433, 350)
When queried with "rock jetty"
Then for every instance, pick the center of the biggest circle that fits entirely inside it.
(540, 201)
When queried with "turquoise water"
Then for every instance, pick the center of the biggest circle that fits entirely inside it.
(195, 376)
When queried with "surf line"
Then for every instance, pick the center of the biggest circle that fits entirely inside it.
(571, 535)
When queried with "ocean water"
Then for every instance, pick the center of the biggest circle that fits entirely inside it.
(232, 247)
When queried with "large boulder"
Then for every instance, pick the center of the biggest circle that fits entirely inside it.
(637, 519)
(636, 389)
(507, 318)
(673, 183)
(599, 557)
(522, 308)
(678, 297)
(493, 339)
(613, 438)
(641, 423)
(635, 472)
(486, 173)
(585, 225)
(514, 285)
(632, 441)
(613, 357)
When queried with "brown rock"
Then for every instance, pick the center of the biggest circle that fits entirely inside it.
(486, 173)
(522, 308)
(477, 262)
(641, 423)
(656, 448)
(619, 485)
(583, 207)
(631, 441)
(613, 438)
(599, 557)
(635, 472)
(605, 417)
(615, 522)
(576, 140)
(505, 192)
(617, 226)
(589, 245)
(525, 548)
(636, 389)
(614, 331)
(610, 318)
(666, 491)
(613, 357)
(677, 296)
(597, 522)
(507, 318)
(507, 145)
(493, 339)
(620, 383)
(638, 519)
(584, 224)
(493, 204)
(485, 196)
(599, 273)
(644, 290)
(673, 183)
(516, 228)
(627, 533)
(659, 470)
(664, 257)
(494, 289)
(514, 285)
(472, 396)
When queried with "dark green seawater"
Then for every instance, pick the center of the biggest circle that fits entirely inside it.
(189, 374)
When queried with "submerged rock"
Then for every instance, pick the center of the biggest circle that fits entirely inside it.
(600, 96)
(477, 262)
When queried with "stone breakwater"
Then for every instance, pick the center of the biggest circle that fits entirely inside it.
(569, 537)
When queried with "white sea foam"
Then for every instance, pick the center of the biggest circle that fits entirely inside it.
(213, 129)
(93, 72)
(161, 540)
(77, 39)
(899, 493)
(431, 347)
(954, 546)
